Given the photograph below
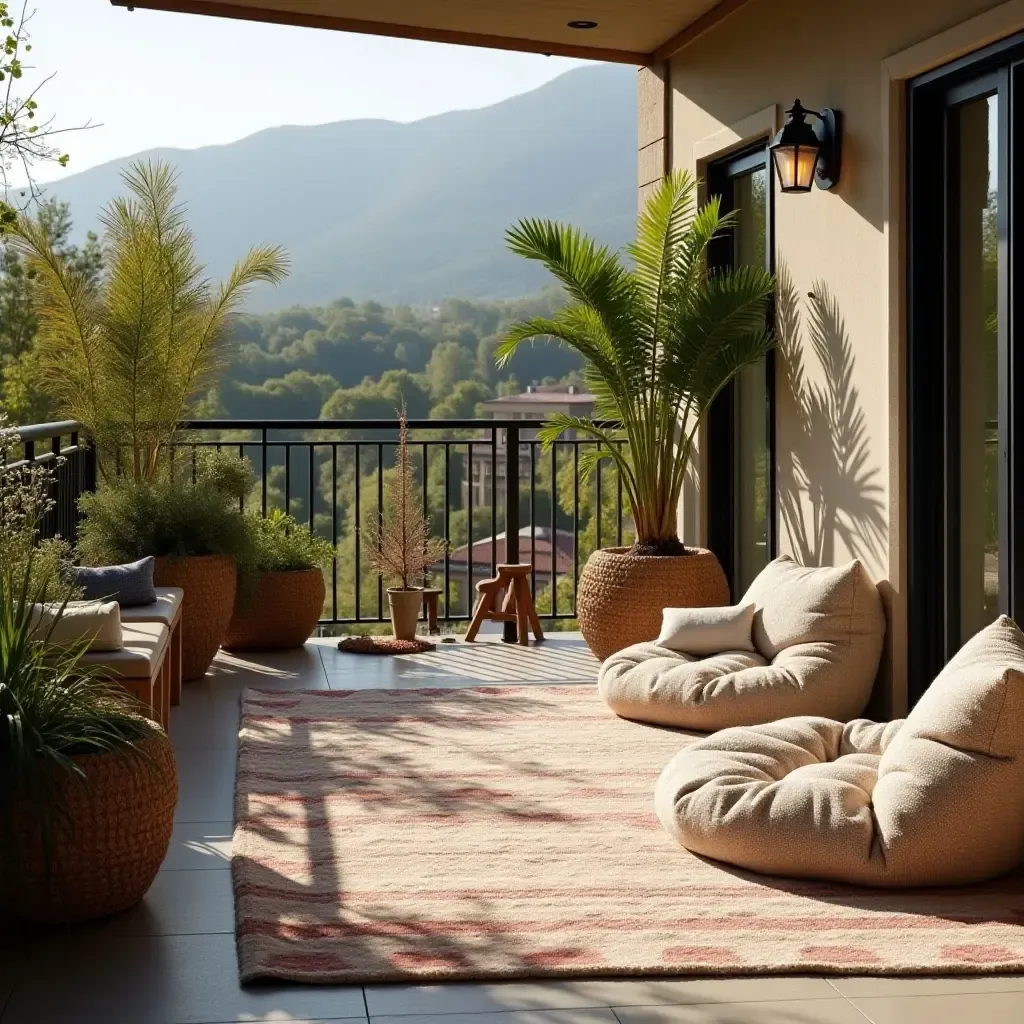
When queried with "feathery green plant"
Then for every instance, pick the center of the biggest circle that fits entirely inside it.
(282, 545)
(50, 710)
(661, 338)
(129, 355)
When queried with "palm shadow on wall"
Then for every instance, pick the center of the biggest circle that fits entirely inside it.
(829, 493)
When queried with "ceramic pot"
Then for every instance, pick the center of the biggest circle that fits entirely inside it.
(405, 612)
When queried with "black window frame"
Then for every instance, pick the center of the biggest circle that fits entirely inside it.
(933, 422)
(720, 436)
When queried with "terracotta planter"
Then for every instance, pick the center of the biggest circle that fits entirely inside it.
(209, 583)
(283, 612)
(121, 821)
(405, 612)
(621, 596)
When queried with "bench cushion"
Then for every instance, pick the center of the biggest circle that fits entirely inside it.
(99, 622)
(144, 646)
(166, 608)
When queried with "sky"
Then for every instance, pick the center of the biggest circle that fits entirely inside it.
(149, 78)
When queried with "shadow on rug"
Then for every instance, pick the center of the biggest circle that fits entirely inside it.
(509, 833)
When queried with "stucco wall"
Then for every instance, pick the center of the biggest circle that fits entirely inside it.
(840, 401)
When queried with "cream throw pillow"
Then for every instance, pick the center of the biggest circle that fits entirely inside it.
(99, 622)
(704, 631)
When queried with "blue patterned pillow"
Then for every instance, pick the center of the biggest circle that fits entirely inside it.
(129, 585)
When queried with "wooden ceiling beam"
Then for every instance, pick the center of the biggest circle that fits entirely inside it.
(704, 24)
(381, 28)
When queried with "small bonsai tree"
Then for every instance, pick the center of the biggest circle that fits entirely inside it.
(404, 549)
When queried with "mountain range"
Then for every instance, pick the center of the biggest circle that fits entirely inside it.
(406, 213)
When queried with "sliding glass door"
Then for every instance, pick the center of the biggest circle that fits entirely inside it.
(965, 352)
(741, 426)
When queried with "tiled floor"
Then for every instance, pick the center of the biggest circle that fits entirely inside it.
(172, 959)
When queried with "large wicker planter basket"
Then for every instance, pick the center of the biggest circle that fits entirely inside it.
(283, 612)
(121, 829)
(621, 596)
(209, 583)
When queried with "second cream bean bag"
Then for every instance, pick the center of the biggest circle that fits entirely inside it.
(817, 639)
(937, 799)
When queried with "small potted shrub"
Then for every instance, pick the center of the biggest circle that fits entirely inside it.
(197, 533)
(288, 598)
(88, 786)
(403, 550)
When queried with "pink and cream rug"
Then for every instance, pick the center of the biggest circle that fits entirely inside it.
(509, 832)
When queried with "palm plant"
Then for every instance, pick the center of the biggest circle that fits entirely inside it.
(128, 356)
(661, 339)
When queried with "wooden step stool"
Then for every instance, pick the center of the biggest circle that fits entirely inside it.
(517, 606)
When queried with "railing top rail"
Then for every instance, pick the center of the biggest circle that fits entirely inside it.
(388, 424)
(41, 431)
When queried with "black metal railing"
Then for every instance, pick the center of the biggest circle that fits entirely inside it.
(487, 487)
(61, 447)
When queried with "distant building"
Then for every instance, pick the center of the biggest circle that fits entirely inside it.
(535, 548)
(535, 404)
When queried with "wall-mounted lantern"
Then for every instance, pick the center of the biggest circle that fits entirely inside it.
(805, 154)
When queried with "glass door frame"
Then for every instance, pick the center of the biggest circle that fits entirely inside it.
(934, 345)
(721, 428)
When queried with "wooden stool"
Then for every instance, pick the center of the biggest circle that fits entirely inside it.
(517, 606)
(430, 596)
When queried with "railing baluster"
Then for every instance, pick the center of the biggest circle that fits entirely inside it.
(357, 526)
(533, 520)
(263, 462)
(494, 504)
(312, 485)
(554, 530)
(510, 630)
(618, 487)
(447, 530)
(380, 512)
(469, 518)
(600, 510)
(575, 520)
(334, 530)
(287, 479)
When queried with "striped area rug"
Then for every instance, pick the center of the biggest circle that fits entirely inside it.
(509, 832)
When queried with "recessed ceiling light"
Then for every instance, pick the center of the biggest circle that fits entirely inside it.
(582, 24)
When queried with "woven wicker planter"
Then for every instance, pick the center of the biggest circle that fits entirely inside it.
(283, 612)
(621, 596)
(209, 583)
(121, 828)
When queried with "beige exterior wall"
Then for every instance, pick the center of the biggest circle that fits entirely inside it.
(840, 386)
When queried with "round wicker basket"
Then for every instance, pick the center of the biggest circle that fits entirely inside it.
(621, 596)
(209, 584)
(121, 821)
(283, 612)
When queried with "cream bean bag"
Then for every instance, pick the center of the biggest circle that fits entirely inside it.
(817, 638)
(937, 799)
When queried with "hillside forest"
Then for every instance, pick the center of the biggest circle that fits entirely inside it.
(354, 361)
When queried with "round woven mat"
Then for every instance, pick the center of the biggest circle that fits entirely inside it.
(383, 645)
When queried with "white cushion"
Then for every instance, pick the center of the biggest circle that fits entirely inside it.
(704, 631)
(99, 622)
